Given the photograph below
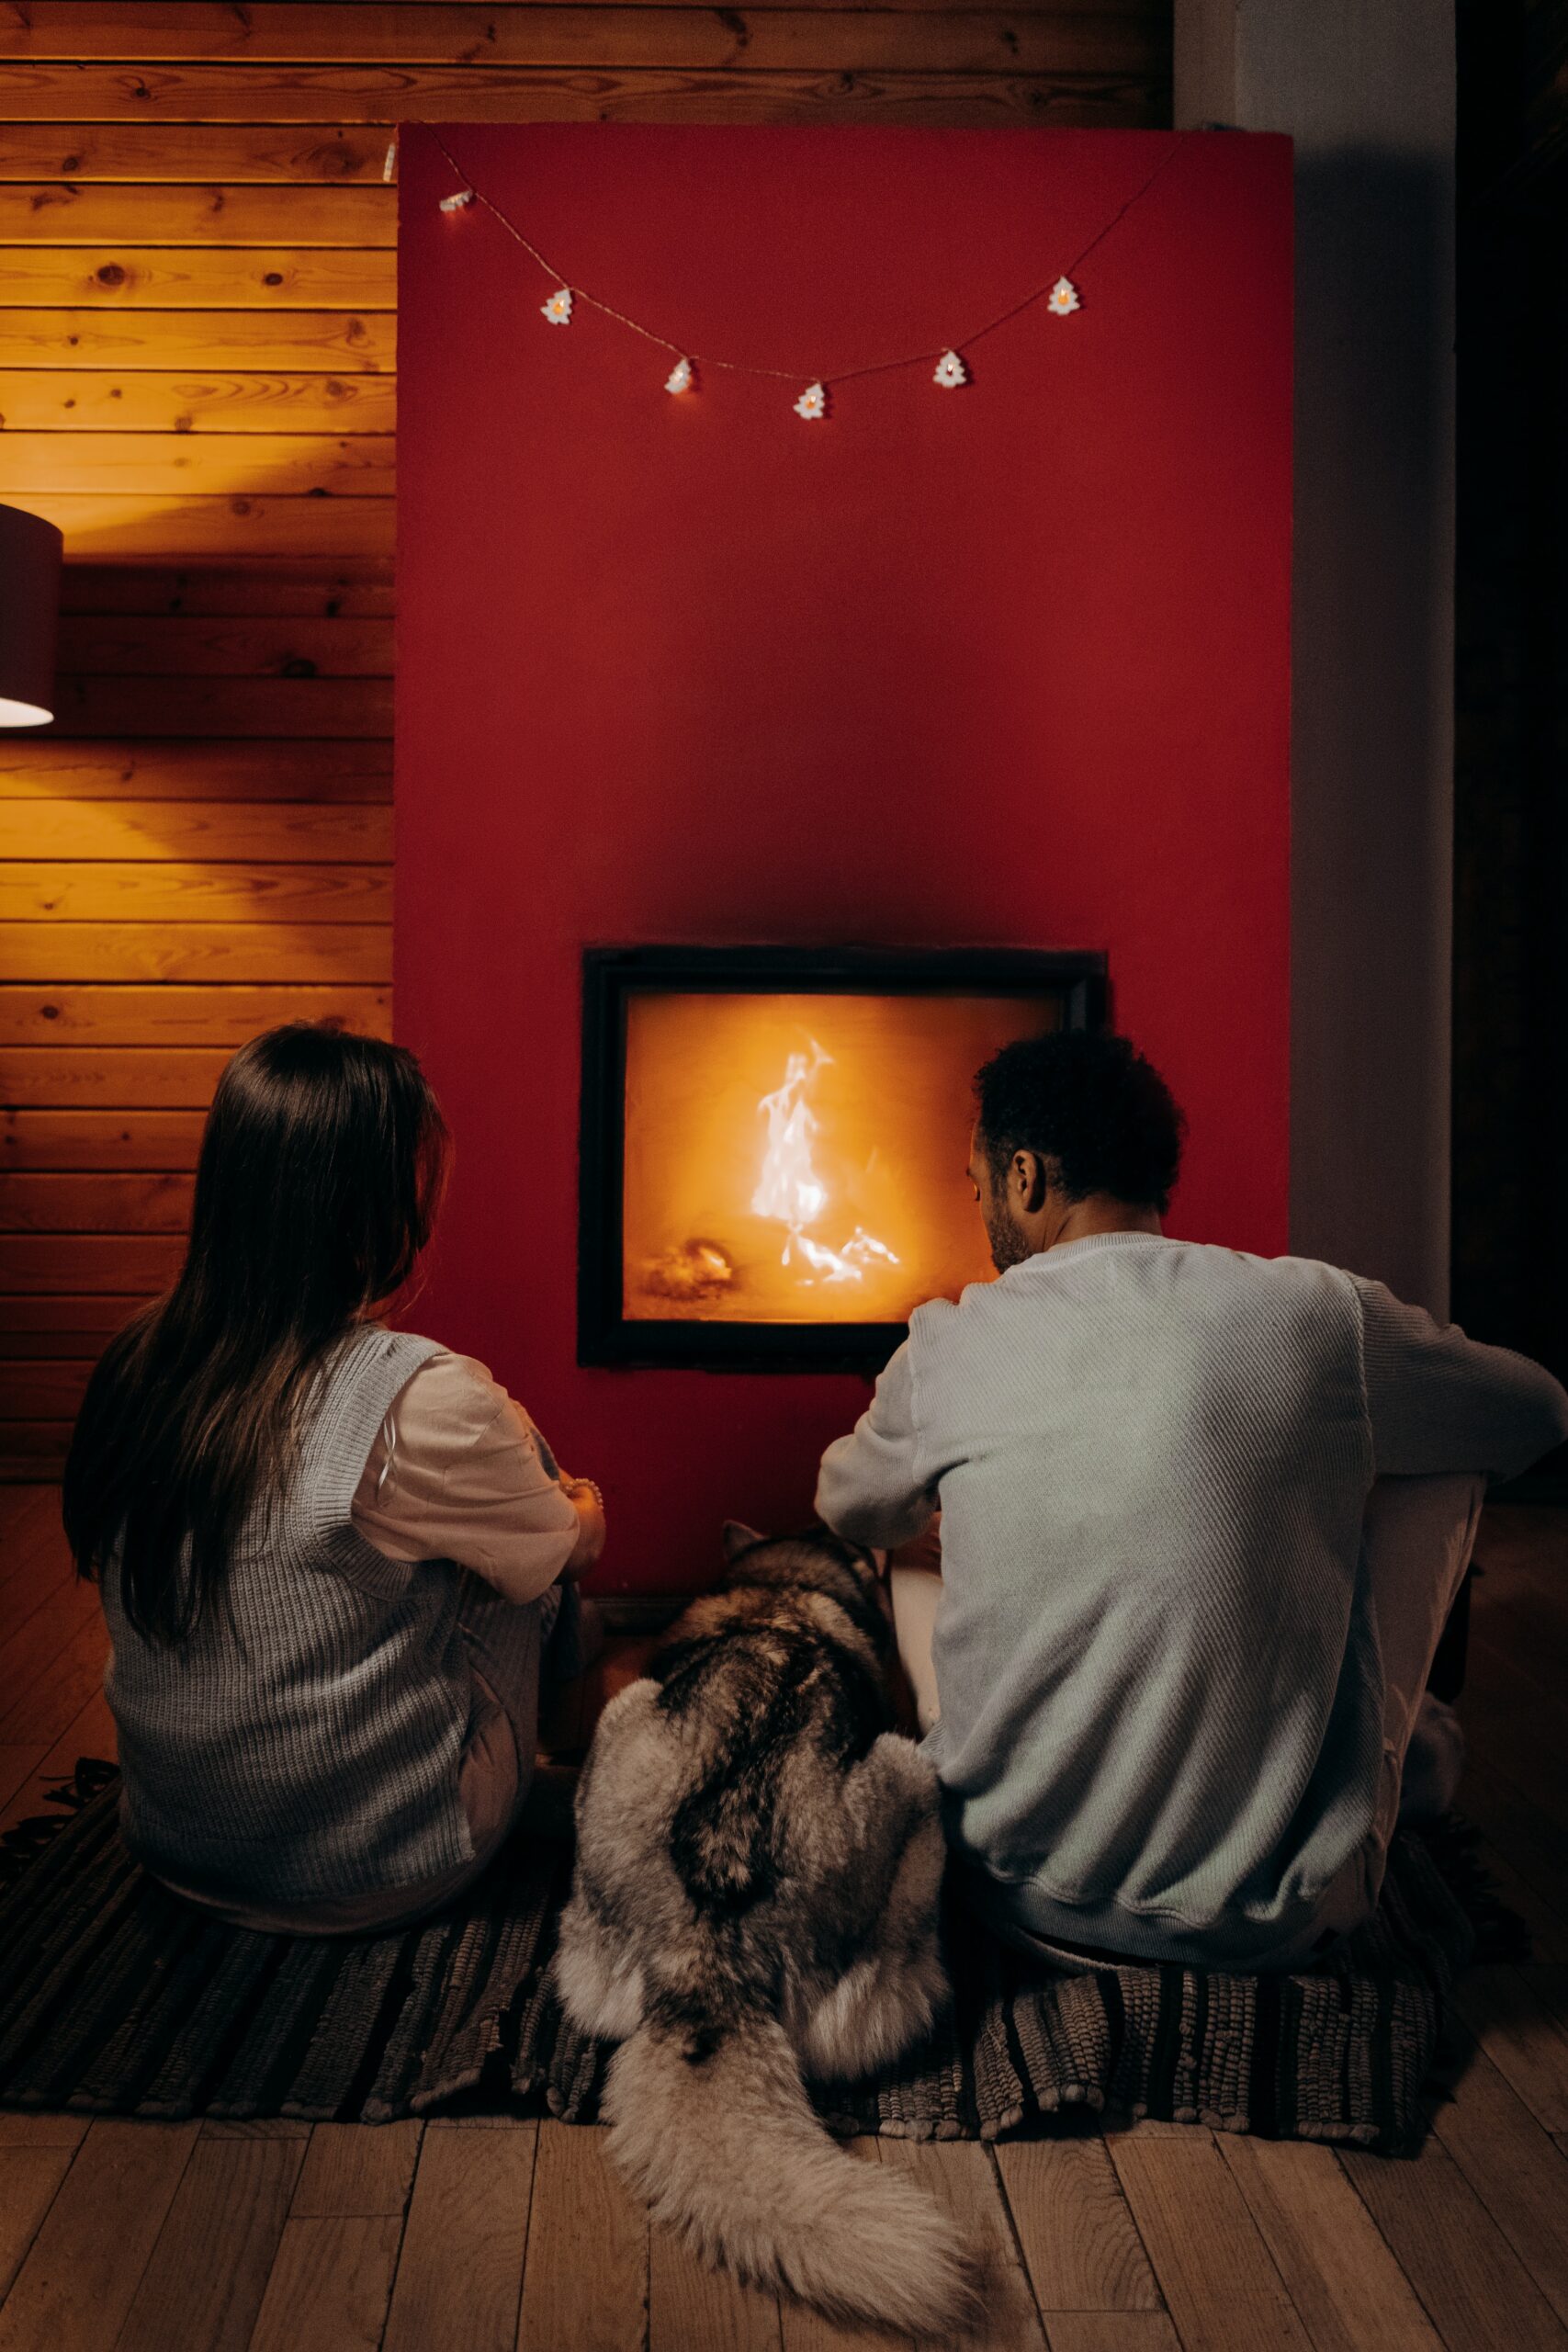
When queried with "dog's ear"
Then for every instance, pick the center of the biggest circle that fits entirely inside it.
(738, 1538)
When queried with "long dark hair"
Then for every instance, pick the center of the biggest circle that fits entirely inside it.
(319, 1175)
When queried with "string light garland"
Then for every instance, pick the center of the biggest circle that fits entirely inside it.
(1061, 299)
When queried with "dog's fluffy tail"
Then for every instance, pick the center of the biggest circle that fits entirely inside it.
(713, 2126)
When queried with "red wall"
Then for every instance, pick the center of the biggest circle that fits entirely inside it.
(1007, 665)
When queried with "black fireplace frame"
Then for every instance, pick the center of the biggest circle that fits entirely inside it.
(610, 976)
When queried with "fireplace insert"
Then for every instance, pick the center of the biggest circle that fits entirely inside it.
(773, 1142)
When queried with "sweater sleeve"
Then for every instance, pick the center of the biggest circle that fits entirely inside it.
(867, 1489)
(459, 1472)
(1438, 1402)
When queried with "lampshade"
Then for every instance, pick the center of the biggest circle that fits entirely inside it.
(29, 611)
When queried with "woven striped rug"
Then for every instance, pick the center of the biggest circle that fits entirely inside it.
(119, 1999)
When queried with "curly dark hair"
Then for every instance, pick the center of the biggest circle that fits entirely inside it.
(1092, 1107)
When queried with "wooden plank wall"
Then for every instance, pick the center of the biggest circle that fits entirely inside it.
(196, 354)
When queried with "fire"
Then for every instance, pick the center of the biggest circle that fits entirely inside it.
(789, 1189)
(799, 1158)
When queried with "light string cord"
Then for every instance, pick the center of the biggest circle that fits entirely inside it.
(794, 375)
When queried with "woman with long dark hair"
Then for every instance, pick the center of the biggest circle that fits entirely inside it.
(331, 1553)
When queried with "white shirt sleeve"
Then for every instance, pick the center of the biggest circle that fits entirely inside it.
(459, 1472)
(867, 1489)
(1438, 1401)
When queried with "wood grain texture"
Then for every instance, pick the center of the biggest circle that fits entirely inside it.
(330, 2286)
(50, 1390)
(203, 2287)
(266, 525)
(1453, 2253)
(131, 1265)
(239, 646)
(354, 342)
(309, 954)
(1518, 2170)
(460, 2272)
(1111, 2332)
(1347, 2287)
(175, 1077)
(90, 1732)
(210, 464)
(50, 768)
(590, 91)
(91, 891)
(1223, 2292)
(347, 153)
(178, 1016)
(600, 2304)
(67, 212)
(350, 2172)
(694, 2309)
(32, 1449)
(203, 707)
(31, 1544)
(1514, 2019)
(411, 37)
(192, 399)
(195, 832)
(1077, 2236)
(199, 277)
(30, 2180)
(43, 1604)
(53, 1324)
(42, 1656)
(77, 2282)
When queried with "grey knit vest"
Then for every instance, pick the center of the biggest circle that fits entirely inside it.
(304, 1741)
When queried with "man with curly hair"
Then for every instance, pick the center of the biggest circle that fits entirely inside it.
(1203, 1519)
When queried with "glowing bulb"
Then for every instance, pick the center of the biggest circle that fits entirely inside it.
(459, 202)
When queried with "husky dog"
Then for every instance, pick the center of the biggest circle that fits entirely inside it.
(759, 1860)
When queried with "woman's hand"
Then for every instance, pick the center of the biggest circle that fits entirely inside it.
(584, 1498)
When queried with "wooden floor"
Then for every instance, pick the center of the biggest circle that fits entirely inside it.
(462, 2237)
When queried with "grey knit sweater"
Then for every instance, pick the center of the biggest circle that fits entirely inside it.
(1155, 1654)
(304, 1741)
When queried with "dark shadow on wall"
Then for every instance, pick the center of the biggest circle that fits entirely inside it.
(1510, 1117)
(1370, 745)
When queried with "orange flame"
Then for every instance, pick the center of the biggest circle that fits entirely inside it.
(789, 1188)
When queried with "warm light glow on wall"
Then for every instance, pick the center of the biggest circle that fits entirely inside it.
(801, 1158)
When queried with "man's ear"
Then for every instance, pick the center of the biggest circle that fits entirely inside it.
(1035, 1176)
(738, 1538)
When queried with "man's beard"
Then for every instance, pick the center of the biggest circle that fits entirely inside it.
(1009, 1247)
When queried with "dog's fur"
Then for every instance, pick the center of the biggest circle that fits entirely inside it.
(758, 1868)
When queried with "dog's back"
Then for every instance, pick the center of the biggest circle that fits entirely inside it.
(758, 1862)
(774, 1690)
